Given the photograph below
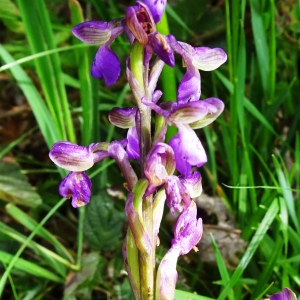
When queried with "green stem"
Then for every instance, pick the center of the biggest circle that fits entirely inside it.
(146, 260)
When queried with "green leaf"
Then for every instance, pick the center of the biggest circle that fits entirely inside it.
(14, 186)
(252, 247)
(103, 223)
(182, 295)
(29, 267)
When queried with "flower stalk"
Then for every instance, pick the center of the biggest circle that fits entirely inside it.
(168, 171)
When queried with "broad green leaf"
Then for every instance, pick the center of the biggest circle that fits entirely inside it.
(103, 223)
(14, 186)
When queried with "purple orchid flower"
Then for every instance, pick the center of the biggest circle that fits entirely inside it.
(287, 294)
(188, 149)
(188, 232)
(78, 186)
(141, 24)
(125, 118)
(195, 58)
(180, 191)
(178, 198)
(106, 64)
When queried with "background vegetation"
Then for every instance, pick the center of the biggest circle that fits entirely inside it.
(48, 250)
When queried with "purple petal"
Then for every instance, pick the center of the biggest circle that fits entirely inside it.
(214, 108)
(189, 112)
(287, 294)
(122, 117)
(133, 146)
(98, 32)
(106, 65)
(178, 198)
(188, 149)
(188, 230)
(92, 32)
(193, 183)
(189, 86)
(71, 156)
(167, 275)
(159, 164)
(208, 59)
(78, 186)
(162, 48)
(140, 22)
(157, 8)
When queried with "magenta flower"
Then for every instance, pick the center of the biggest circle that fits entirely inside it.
(287, 294)
(188, 149)
(76, 185)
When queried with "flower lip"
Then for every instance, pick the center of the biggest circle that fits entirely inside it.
(188, 149)
(78, 186)
(188, 230)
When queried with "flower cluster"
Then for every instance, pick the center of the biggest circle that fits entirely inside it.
(169, 170)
